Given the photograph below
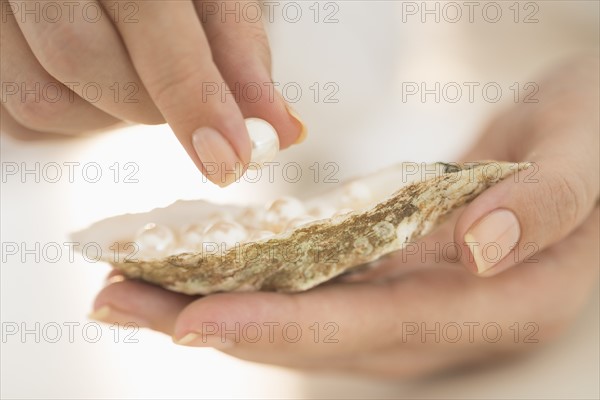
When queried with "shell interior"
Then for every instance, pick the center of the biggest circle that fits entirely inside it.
(198, 247)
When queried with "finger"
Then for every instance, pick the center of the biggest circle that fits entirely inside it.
(277, 315)
(80, 47)
(373, 323)
(9, 126)
(332, 320)
(424, 345)
(126, 301)
(410, 363)
(172, 56)
(133, 302)
(33, 98)
(543, 204)
(424, 305)
(240, 49)
(114, 276)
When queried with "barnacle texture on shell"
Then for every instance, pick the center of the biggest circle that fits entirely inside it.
(197, 247)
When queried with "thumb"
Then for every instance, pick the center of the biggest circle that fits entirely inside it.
(522, 215)
(512, 221)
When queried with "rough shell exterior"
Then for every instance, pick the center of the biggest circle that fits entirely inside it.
(309, 255)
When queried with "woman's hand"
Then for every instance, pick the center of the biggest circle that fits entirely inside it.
(86, 66)
(560, 135)
(419, 312)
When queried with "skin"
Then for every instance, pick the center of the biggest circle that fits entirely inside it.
(372, 313)
(132, 46)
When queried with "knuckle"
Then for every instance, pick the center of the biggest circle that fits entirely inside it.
(36, 113)
(259, 37)
(251, 44)
(146, 113)
(64, 49)
(169, 85)
(567, 197)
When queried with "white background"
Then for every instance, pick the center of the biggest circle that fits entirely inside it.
(368, 54)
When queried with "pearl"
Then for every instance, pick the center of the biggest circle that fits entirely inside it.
(281, 212)
(251, 217)
(191, 237)
(260, 235)
(356, 195)
(297, 222)
(322, 211)
(343, 211)
(154, 240)
(217, 216)
(229, 233)
(265, 142)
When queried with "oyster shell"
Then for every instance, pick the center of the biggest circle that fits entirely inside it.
(290, 245)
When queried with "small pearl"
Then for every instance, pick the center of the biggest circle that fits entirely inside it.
(217, 216)
(322, 211)
(265, 142)
(297, 222)
(281, 212)
(226, 232)
(260, 235)
(155, 240)
(356, 195)
(343, 211)
(251, 217)
(191, 237)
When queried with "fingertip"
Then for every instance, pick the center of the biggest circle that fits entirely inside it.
(288, 123)
(221, 163)
(488, 231)
(242, 54)
(141, 303)
(211, 315)
(300, 125)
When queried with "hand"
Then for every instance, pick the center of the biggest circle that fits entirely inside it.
(88, 66)
(560, 135)
(421, 312)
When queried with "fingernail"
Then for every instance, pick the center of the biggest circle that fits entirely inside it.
(194, 339)
(114, 279)
(303, 131)
(220, 161)
(492, 238)
(110, 315)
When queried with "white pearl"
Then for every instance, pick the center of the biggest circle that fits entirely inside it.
(265, 142)
(298, 222)
(322, 211)
(225, 232)
(260, 235)
(343, 211)
(251, 217)
(155, 240)
(356, 195)
(191, 237)
(217, 216)
(281, 211)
